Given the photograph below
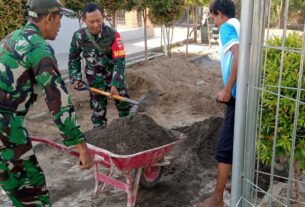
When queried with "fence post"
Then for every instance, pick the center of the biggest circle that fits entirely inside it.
(253, 97)
(241, 99)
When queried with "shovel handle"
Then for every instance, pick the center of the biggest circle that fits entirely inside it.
(104, 93)
(98, 91)
(101, 92)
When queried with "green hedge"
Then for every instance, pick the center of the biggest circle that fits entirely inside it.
(12, 16)
(290, 78)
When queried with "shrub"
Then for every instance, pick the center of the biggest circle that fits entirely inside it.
(12, 16)
(290, 76)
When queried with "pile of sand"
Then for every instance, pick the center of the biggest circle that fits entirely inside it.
(130, 135)
(186, 92)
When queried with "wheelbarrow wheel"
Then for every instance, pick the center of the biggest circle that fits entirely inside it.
(151, 176)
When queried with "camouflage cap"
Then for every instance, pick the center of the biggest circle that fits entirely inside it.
(36, 7)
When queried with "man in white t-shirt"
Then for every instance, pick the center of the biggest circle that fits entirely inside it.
(223, 13)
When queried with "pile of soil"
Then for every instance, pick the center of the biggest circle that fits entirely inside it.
(186, 92)
(129, 135)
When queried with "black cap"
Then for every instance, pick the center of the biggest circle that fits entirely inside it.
(36, 7)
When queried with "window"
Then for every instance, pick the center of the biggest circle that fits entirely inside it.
(120, 17)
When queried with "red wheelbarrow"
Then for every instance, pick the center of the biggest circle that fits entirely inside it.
(143, 168)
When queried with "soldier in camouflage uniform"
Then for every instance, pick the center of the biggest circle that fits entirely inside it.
(26, 60)
(104, 55)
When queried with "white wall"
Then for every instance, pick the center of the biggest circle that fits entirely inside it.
(69, 26)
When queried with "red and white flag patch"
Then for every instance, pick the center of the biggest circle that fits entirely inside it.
(118, 47)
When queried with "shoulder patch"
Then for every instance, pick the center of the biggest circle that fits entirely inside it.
(118, 50)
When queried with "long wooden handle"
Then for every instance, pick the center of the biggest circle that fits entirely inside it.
(98, 91)
(101, 92)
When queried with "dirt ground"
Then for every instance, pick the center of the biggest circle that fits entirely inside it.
(185, 102)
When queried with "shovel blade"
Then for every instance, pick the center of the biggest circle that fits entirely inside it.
(145, 101)
(133, 102)
(135, 108)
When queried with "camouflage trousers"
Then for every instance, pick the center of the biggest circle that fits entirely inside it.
(98, 104)
(20, 174)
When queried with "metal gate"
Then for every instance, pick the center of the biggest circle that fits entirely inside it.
(269, 142)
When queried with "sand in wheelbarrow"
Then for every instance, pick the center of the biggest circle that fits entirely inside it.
(129, 135)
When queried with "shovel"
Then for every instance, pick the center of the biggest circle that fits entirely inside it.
(104, 93)
(141, 105)
(117, 97)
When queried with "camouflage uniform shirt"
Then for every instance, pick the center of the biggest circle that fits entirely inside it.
(26, 59)
(102, 66)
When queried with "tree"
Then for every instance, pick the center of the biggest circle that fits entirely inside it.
(296, 12)
(165, 13)
(113, 6)
(196, 4)
(142, 7)
(282, 14)
(12, 16)
(77, 6)
(109, 5)
(237, 8)
(298, 8)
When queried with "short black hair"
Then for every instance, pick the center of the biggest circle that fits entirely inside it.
(226, 7)
(91, 7)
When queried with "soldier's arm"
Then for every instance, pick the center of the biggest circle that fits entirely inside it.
(59, 102)
(118, 56)
(74, 64)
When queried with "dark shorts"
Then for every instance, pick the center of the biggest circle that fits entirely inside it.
(224, 153)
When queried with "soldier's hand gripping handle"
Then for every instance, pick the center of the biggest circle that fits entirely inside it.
(78, 85)
(114, 92)
(85, 158)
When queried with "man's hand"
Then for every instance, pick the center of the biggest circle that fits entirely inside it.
(85, 158)
(114, 91)
(224, 96)
(78, 84)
